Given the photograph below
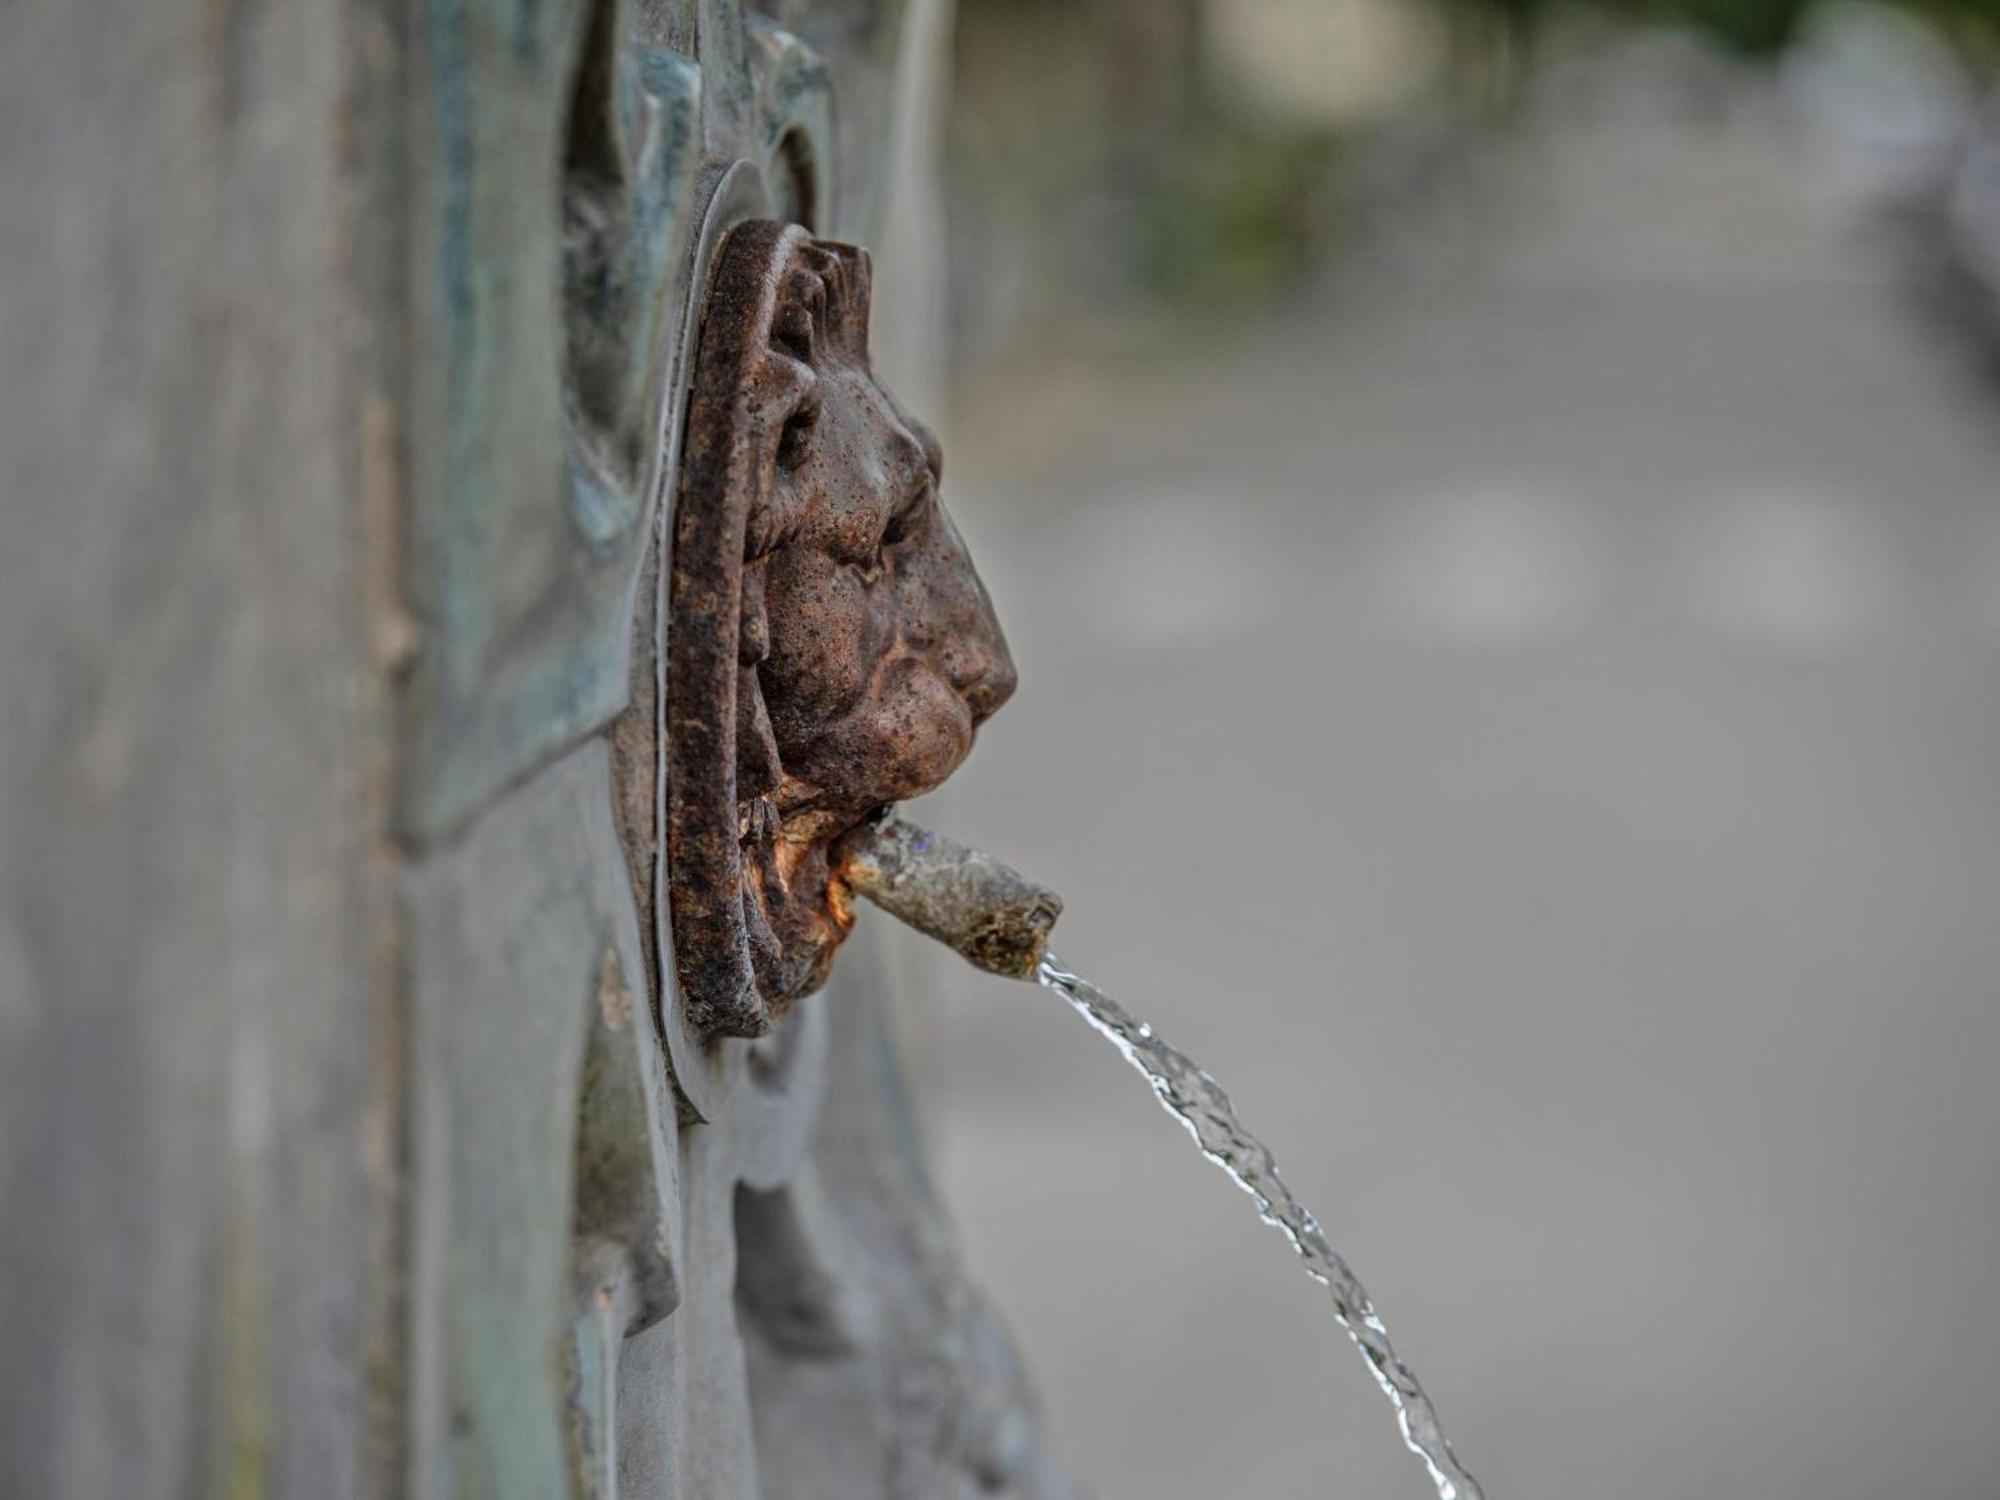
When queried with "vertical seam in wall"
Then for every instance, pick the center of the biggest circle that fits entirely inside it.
(376, 210)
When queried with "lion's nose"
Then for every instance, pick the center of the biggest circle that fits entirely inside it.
(975, 658)
(994, 684)
(955, 625)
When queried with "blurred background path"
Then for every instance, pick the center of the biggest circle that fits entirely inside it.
(1526, 719)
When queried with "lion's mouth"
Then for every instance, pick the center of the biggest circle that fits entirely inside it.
(910, 734)
(789, 859)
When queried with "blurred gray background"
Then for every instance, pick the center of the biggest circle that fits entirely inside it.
(1516, 693)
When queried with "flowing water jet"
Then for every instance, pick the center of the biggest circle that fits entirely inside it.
(999, 920)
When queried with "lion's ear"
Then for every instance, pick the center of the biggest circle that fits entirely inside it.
(848, 279)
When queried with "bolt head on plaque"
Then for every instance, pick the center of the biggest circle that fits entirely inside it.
(830, 649)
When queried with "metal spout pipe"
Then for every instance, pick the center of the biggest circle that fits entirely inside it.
(990, 914)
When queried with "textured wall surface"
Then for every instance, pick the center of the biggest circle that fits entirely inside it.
(353, 1138)
(187, 1018)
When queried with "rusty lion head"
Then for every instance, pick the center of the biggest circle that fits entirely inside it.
(830, 649)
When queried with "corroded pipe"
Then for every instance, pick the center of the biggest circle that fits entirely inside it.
(993, 916)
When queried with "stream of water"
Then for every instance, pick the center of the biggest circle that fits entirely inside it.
(1199, 1103)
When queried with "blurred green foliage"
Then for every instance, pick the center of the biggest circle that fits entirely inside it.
(1238, 216)
(1763, 28)
(1090, 144)
(1100, 168)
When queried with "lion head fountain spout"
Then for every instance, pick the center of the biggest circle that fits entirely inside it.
(832, 650)
(990, 914)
